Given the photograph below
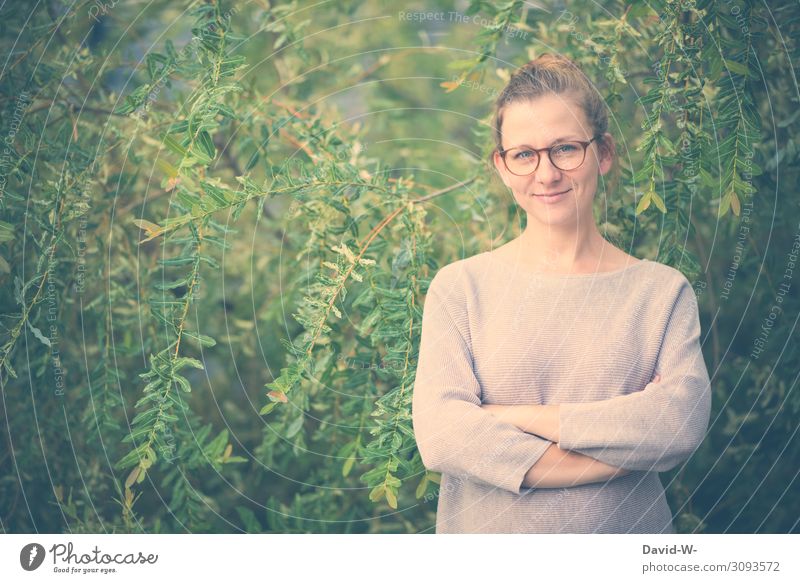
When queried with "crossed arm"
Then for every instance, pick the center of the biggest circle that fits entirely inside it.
(557, 468)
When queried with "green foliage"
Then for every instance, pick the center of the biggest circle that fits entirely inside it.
(214, 263)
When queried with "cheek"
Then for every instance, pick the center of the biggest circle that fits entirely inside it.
(587, 181)
(520, 186)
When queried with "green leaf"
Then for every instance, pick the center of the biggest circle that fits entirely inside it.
(187, 199)
(294, 426)
(644, 202)
(659, 202)
(267, 408)
(171, 285)
(422, 487)
(137, 434)
(724, 205)
(348, 465)
(132, 458)
(736, 67)
(216, 193)
(9, 369)
(252, 161)
(235, 459)
(280, 41)
(217, 445)
(201, 339)
(126, 107)
(6, 231)
(377, 493)
(174, 146)
(735, 206)
(206, 144)
(391, 498)
(183, 383)
(175, 261)
(249, 520)
(184, 361)
(38, 333)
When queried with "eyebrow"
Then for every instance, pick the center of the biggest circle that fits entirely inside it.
(567, 138)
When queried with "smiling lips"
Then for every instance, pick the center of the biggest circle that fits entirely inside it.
(553, 194)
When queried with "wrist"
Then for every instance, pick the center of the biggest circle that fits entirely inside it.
(541, 420)
(530, 420)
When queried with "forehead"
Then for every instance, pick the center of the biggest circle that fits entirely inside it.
(539, 121)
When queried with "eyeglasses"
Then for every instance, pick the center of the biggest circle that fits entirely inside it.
(522, 161)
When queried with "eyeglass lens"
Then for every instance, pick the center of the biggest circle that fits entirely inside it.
(564, 156)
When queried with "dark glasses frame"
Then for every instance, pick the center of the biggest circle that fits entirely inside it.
(549, 151)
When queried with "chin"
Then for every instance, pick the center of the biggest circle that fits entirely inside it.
(553, 221)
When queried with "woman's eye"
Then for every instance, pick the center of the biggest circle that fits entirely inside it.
(523, 155)
(564, 148)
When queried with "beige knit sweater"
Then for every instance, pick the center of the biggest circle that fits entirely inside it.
(493, 332)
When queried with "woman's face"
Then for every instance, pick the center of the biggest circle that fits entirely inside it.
(540, 123)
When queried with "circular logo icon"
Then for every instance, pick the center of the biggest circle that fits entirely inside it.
(31, 556)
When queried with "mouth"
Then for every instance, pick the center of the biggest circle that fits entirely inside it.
(551, 199)
(549, 195)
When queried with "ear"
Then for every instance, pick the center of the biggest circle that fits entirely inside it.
(501, 168)
(608, 151)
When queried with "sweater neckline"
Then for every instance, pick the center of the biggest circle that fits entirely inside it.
(527, 271)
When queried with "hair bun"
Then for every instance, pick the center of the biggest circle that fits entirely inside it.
(549, 62)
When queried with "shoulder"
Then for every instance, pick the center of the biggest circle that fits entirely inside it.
(461, 272)
(462, 278)
(668, 286)
(668, 275)
(456, 284)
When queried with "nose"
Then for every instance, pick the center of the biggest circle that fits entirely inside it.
(546, 173)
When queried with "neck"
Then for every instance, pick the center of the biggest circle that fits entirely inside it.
(558, 247)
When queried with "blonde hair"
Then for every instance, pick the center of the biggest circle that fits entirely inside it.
(557, 74)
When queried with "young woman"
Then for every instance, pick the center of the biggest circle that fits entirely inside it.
(557, 374)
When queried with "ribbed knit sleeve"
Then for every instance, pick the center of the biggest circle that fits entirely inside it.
(660, 426)
(454, 435)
